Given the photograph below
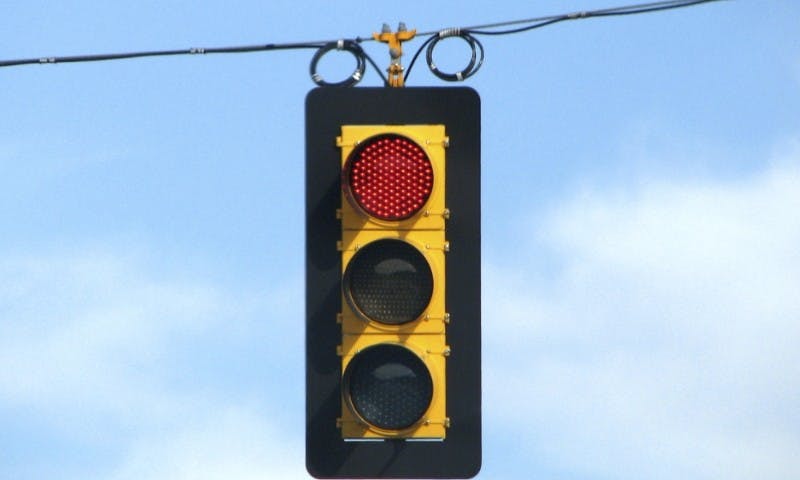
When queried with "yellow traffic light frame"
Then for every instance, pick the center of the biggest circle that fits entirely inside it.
(433, 141)
(432, 246)
(425, 232)
(433, 351)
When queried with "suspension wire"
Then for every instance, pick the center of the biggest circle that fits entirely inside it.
(160, 53)
(468, 33)
(322, 47)
(622, 10)
(353, 46)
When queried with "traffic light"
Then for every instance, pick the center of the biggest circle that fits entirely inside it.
(393, 283)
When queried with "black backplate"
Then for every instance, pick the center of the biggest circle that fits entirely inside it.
(327, 455)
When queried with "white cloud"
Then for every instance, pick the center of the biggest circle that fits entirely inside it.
(665, 345)
(233, 443)
(107, 353)
(81, 327)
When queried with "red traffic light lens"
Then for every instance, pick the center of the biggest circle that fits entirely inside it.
(389, 177)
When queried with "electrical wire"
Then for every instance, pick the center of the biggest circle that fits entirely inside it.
(622, 10)
(474, 63)
(468, 33)
(345, 45)
(323, 47)
(159, 53)
(353, 46)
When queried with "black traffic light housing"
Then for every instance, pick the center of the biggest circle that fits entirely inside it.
(328, 454)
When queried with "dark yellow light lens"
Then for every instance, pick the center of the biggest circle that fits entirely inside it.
(388, 281)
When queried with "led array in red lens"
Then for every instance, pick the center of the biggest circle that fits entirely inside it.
(390, 177)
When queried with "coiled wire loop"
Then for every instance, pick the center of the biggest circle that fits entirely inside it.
(475, 62)
(349, 46)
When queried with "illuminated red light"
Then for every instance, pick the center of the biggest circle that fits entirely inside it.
(389, 177)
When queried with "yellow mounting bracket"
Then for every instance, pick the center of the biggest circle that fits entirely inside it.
(395, 41)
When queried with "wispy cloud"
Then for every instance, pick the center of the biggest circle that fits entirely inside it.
(165, 376)
(233, 443)
(91, 321)
(665, 344)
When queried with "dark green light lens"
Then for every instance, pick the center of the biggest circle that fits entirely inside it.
(389, 386)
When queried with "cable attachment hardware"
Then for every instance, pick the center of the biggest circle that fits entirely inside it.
(449, 32)
(578, 15)
(395, 41)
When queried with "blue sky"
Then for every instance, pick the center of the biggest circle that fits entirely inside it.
(641, 189)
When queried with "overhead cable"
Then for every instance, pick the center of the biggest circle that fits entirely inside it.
(353, 46)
